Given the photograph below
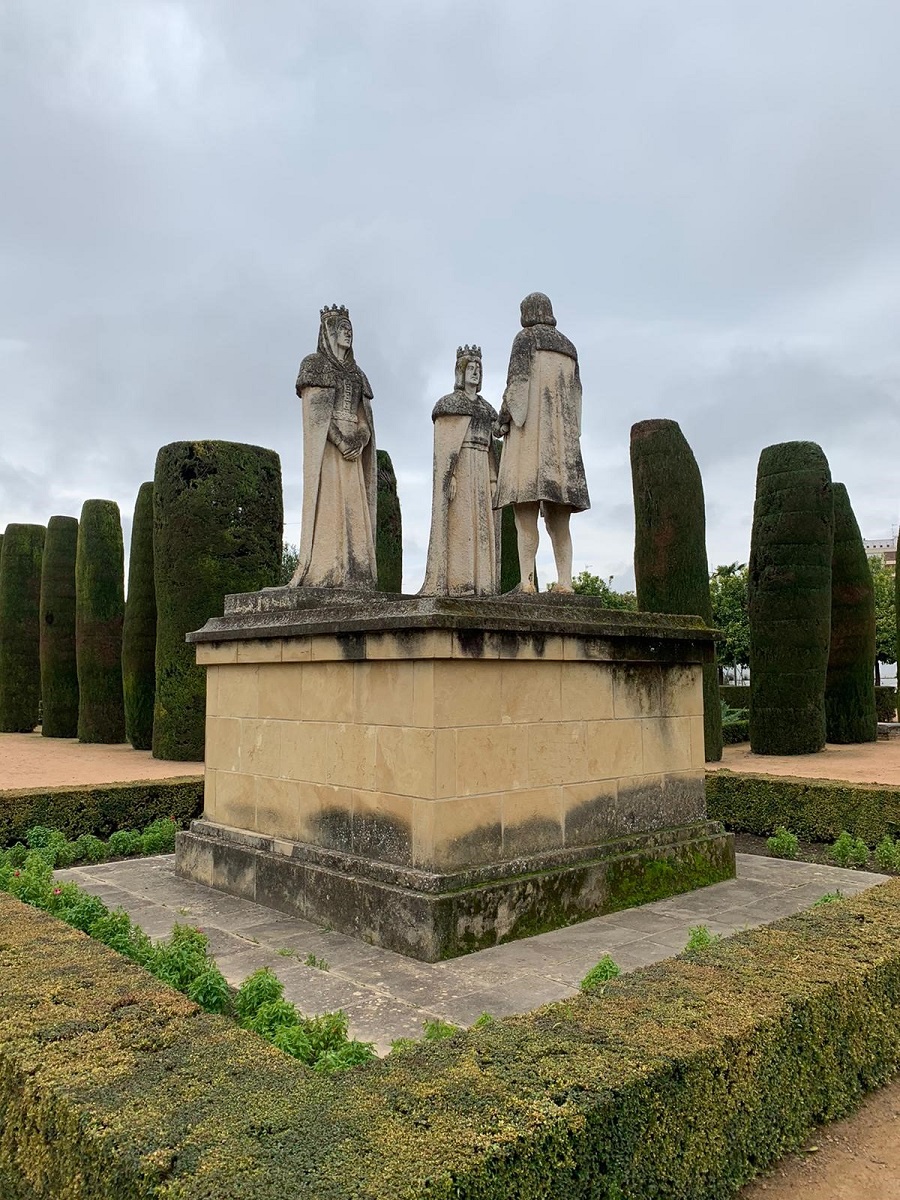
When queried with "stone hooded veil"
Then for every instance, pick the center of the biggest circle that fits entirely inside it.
(337, 538)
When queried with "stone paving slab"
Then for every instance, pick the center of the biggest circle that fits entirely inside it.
(387, 996)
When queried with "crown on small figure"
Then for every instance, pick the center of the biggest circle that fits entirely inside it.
(336, 310)
(468, 352)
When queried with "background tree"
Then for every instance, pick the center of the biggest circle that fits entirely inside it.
(671, 570)
(885, 614)
(728, 596)
(789, 588)
(59, 667)
(587, 584)
(20, 597)
(849, 686)
(290, 560)
(217, 528)
(99, 613)
(139, 630)
(389, 531)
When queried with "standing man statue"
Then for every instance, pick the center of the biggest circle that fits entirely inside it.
(541, 470)
(340, 484)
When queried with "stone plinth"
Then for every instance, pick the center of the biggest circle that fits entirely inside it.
(436, 775)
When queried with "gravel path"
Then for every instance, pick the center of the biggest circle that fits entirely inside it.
(28, 760)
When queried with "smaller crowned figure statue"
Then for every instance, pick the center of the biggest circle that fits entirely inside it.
(464, 545)
(337, 535)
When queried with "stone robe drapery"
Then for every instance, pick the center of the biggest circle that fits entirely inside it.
(337, 537)
(464, 545)
(541, 457)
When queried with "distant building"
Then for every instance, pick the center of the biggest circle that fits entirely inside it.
(883, 548)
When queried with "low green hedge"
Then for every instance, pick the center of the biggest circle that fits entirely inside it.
(815, 809)
(886, 703)
(735, 695)
(101, 809)
(736, 731)
(681, 1080)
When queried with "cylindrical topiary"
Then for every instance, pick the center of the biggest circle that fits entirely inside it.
(59, 669)
(20, 599)
(850, 684)
(389, 530)
(139, 630)
(99, 613)
(217, 528)
(670, 565)
(789, 589)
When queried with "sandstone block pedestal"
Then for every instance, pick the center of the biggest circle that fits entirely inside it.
(435, 775)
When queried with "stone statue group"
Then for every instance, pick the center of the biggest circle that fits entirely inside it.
(539, 472)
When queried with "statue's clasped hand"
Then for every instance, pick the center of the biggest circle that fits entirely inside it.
(452, 494)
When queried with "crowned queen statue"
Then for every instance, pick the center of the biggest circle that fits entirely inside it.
(337, 537)
(464, 546)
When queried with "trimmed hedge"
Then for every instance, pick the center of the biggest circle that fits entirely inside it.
(682, 1080)
(735, 695)
(849, 685)
(670, 567)
(20, 629)
(99, 613)
(815, 809)
(59, 669)
(738, 731)
(886, 703)
(789, 589)
(217, 528)
(389, 528)
(100, 809)
(139, 629)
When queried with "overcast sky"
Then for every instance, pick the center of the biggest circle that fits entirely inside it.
(708, 192)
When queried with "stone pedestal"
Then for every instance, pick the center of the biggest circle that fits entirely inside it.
(439, 774)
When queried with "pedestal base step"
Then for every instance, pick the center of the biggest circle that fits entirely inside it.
(432, 917)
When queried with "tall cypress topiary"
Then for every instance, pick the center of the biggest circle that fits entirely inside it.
(389, 532)
(20, 598)
(59, 669)
(849, 684)
(99, 613)
(789, 588)
(217, 528)
(139, 630)
(670, 566)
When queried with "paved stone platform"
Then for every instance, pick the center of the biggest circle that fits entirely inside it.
(387, 996)
(29, 760)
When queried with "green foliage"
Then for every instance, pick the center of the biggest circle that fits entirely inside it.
(437, 1030)
(817, 810)
(320, 964)
(849, 851)
(90, 849)
(732, 716)
(730, 613)
(139, 629)
(125, 842)
(389, 531)
(599, 974)
(262, 987)
(789, 588)
(783, 843)
(887, 854)
(886, 703)
(20, 595)
(670, 566)
(586, 584)
(828, 898)
(849, 686)
(735, 724)
(159, 836)
(217, 529)
(885, 610)
(699, 938)
(100, 809)
(52, 845)
(290, 560)
(736, 695)
(99, 613)
(59, 670)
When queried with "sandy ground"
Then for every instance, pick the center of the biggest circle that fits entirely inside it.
(28, 760)
(873, 762)
(856, 1159)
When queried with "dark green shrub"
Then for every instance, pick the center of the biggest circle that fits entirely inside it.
(736, 732)
(849, 687)
(139, 629)
(735, 695)
(790, 599)
(59, 669)
(159, 836)
(670, 566)
(886, 703)
(99, 612)
(389, 532)
(20, 629)
(217, 528)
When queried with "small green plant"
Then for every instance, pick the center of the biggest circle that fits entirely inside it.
(210, 990)
(783, 843)
(159, 836)
(321, 964)
(699, 937)
(90, 849)
(262, 987)
(604, 970)
(732, 716)
(124, 842)
(887, 854)
(828, 898)
(437, 1030)
(849, 851)
(485, 1018)
(285, 953)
